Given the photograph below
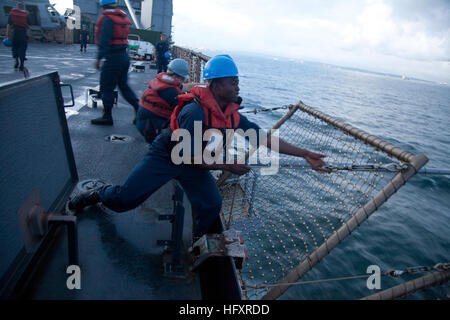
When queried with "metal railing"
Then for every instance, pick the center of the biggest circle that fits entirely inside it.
(196, 62)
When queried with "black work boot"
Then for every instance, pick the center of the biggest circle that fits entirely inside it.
(83, 200)
(105, 120)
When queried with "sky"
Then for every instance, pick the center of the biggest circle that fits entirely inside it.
(405, 37)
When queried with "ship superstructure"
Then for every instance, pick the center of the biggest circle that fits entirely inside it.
(154, 15)
(43, 16)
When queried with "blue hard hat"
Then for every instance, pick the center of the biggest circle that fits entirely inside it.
(179, 67)
(7, 43)
(167, 55)
(105, 2)
(220, 66)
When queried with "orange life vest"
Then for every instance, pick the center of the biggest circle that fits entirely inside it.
(152, 101)
(121, 26)
(19, 18)
(215, 118)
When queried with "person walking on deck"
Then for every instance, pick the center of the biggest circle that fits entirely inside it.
(213, 106)
(160, 54)
(111, 35)
(17, 31)
(84, 38)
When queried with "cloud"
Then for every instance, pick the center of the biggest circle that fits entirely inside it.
(385, 35)
(376, 24)
(62, 5)
(214, 17)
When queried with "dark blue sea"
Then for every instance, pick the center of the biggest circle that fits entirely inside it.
(413, 227)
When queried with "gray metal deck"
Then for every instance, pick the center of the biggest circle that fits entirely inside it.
(118, 255)
(119, 258)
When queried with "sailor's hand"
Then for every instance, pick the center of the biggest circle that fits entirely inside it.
(238, 169)
(316, 162)
(98, 65)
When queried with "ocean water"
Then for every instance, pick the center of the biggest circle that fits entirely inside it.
(413, 227)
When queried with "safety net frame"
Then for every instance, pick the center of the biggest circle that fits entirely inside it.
(287, 240)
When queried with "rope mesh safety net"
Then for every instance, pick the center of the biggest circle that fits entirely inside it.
(285, 217)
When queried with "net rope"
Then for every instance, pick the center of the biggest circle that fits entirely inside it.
(285, 217)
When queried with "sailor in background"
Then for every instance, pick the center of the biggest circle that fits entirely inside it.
(111, 35)
(161, 98)
(213, 106)
(161, 53)
(17, 31)
(84, 38)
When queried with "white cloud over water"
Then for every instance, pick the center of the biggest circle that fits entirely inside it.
(62, 5)
(398, 36)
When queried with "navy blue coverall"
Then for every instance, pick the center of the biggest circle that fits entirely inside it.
(148, 123)
(83, 39)
(156, 169)
(115, 68)
(162, 62)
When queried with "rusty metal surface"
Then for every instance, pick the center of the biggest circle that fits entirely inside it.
(196, 62)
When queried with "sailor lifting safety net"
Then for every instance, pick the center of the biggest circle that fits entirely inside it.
(293, 219)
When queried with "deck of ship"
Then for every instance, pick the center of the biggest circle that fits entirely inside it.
(118, 254)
